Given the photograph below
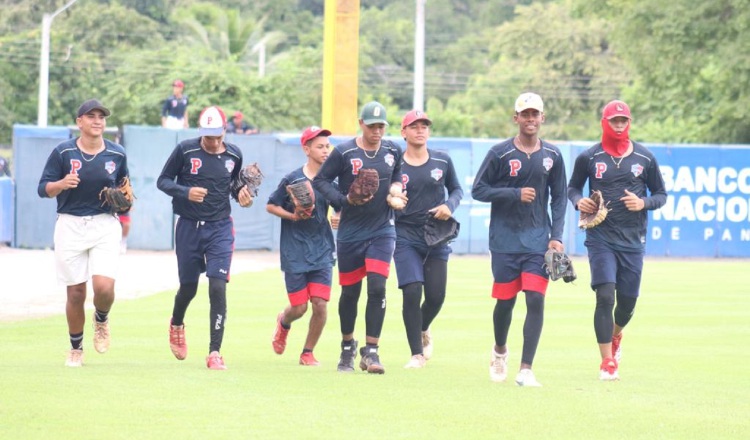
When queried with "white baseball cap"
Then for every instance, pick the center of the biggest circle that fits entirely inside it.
(529, 100)
(212, 122)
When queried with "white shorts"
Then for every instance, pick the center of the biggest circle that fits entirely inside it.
(174, 123)
(86, 246)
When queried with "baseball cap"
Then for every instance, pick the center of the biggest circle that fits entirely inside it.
(212, 122)
(238, 115)
(178, 83)
(92, 104)
(373, 113)
(313, 132)
(414, 116)
(529, 100)
(616, 108)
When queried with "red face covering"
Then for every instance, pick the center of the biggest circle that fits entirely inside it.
(615, 144)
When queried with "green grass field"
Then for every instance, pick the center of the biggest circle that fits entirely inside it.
(684, 371)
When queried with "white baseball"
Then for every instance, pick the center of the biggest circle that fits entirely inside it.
(397, 203)
(395, 190)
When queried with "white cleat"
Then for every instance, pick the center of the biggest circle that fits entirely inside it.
(427, 344)
(498, 366)
(416, 361)
(525, 378)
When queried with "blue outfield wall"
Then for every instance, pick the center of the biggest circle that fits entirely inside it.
(707, 213)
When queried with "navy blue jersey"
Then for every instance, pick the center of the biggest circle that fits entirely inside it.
(637, 172)
(189, 166)
(374, 218)
(175, 107)
(517, 227)
(425, 186)
(105, 169)
(306, 245)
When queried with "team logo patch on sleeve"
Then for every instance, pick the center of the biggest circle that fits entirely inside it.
(436, 174)
(636, 169)
(547, 163)
(389, 159)
(229, 165)
(110, 167)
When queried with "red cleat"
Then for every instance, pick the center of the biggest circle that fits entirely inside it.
(214, 361)
(308, 359)
(177, 341)
(279, 336)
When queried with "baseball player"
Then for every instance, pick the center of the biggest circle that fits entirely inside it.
(522, 177)
(426, 176)
(174, 113)
(197, 176)
(366, 235)
(306, 249)
(625, 172)
(87, 235)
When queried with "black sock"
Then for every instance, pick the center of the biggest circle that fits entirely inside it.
(100, 316)
(306, 350)
(76, 341)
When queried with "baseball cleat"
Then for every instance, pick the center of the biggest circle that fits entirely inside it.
(370, 361)
(279, 336)
(427, 344)
(525, 378)
(177, 342)
(101, 335)
(608, 370)
(214, 361)
(308, 359)
(616, 352)
(348, 354)
(498, 366)
(416, 361)
(74, 358)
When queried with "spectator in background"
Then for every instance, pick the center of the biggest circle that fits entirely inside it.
(4, 167)
(174, 112)
(239, 126)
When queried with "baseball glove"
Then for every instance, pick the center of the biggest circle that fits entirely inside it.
(249, 176)
(592, 220)
(303, 197)
(439, 232)
(120, 198)
(365, 186)
(558, 265)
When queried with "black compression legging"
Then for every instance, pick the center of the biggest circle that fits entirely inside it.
(418, 319)
(603, 320)
(217, 294)
(532, 327)
(185, 294)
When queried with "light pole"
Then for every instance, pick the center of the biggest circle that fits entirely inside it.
(44, 65)
(418, 102)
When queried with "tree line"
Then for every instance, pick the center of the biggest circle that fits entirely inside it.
(681, 65)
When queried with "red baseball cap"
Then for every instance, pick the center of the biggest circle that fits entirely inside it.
(414, 116)
(312, 132)
(616, 108)
(238, 115)
(178, 83)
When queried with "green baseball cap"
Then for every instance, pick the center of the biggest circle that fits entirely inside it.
(373, 113)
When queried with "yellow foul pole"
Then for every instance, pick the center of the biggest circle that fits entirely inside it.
(341, 66)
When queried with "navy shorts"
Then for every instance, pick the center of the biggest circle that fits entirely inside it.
(204, 247)
(357, 258)
(516, 272)
(620, 267)
(302, 286)
(410, 259)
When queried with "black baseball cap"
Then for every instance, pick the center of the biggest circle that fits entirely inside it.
(92, 104)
